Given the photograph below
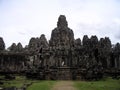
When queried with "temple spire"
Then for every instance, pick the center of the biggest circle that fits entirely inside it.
(62, 22)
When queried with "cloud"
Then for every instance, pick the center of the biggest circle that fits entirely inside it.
(22, 19)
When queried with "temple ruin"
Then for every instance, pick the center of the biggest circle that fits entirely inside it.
(62, 57)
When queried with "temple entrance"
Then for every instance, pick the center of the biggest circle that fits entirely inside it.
(64, 73)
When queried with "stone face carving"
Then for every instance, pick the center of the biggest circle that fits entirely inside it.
(19, 47)
(105, 50)
(16, 48)
(36, 43)
(13, 47)
(63, 55)
(93, 42)
(43, 41)
(115, 61)
(62, 22)
(32, 43)
(85, 40)
(62, 42)
(62, 36)
(2, 44)
(78, 43)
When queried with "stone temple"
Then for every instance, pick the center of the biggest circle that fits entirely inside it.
(62, 57)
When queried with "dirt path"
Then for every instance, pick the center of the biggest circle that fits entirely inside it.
(64, 85)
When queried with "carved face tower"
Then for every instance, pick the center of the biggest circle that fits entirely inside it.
(62, 23)
(62, 40)
(62, 36)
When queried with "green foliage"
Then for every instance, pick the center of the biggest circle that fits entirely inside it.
(42, 85)
(107, 84)
(18, 82)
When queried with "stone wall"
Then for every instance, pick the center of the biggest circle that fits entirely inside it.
(89, 54)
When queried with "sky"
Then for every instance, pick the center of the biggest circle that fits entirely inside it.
(22, 19)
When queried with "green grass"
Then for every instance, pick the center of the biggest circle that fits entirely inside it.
(18, 82)
(42, 85)
(21, 80)
(107, 84)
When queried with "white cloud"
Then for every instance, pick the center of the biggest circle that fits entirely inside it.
(22, 19)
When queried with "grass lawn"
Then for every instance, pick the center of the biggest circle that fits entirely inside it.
(107, 84)
(21, 80)
(18, 82)
(42, 85)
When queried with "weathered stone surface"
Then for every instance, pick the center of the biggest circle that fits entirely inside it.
(78, 43)
(32, 43)
(62, 36)
(115, 61)
(63, 56)
(13, 47)
(37, 43)
(93, 42)
(85, 40)
(2, 44)
(19, 47)
(16, 48)
(62, 22)
(43, 42)
(105, 50)
(61, 44)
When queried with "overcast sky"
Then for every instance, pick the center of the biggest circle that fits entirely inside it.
(22, 19)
